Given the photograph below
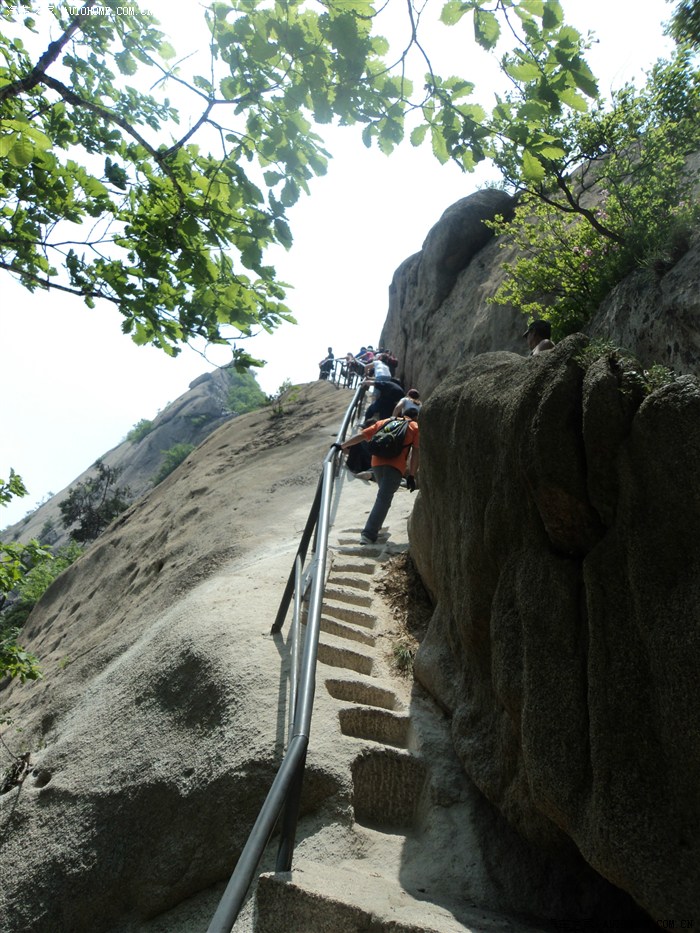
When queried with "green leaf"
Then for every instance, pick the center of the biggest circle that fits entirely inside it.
(458, 87)
(271, 178)
(530, 7)
(486, 28)
(523, 71)
(418, 134)
(533, 170)
(94, 188)
(439, 146)
(7, 141)
(551, 152)
(573, 99)
(229, 87)
(290, 193)
(205, 85)
(21, 153)
(553, 14)
(126, 63)
(452, 12)
(585, 79)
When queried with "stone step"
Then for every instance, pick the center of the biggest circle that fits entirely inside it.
(355, 581)
(350, 632)
(387, 787)
(339, 655)
(346, 613)
(346, 594)
(355, 565)
(348, 898)
(364, 693)
(377, 725)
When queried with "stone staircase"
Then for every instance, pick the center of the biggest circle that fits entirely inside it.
(401, 864)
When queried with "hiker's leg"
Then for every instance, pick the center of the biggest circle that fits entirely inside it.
(388, 481)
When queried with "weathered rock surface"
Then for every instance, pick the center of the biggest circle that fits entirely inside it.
(657, 317)
(563, 646)
(157, 729)
(439, 313)
(161, 719)
(565, 641)
(438, 316)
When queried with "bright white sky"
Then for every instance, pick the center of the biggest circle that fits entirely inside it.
(73, 385)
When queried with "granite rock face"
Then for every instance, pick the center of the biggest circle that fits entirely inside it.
(657, 315)
(156, 729)
(565, 641)
(438, 315)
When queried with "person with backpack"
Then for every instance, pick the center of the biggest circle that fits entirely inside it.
(393, 443)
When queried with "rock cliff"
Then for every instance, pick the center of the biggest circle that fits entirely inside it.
(439, 315)
(155, 731)
(558, 529)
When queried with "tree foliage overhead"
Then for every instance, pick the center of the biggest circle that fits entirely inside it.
(106, 195)
(685, 23)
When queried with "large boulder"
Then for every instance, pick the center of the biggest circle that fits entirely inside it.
(565, 641)
(438, 311)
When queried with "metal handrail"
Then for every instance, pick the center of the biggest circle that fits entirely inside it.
(285, 791)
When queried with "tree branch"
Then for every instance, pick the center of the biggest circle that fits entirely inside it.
(47, 284)
(110, 117)
(38, 72)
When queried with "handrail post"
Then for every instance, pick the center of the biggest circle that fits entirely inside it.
(295, 635)
(301, 552)
(290, 815)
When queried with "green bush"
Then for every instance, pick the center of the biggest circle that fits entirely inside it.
(198, 420)
(287, 394)
(16, 561)
(34, 584)
(16, 661)
(172, 458)
(634, 208)
(139, 431)
(94, 503)
(244, 393)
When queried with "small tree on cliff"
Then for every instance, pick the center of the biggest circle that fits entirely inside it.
(94, 503)
(627, 201)
(16, 561)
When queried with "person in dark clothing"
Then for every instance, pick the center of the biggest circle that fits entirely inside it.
(538, 336)
(388, 394)
(326, 365)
